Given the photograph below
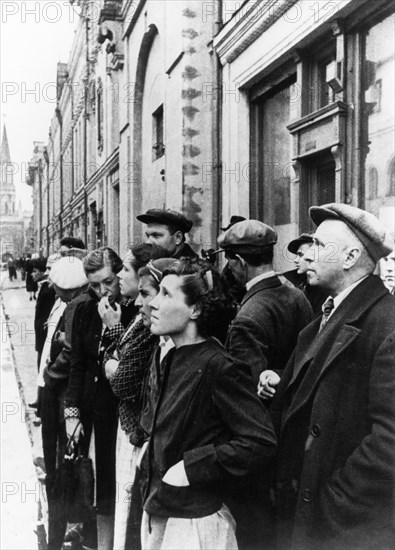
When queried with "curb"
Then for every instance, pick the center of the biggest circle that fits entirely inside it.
(29, 416)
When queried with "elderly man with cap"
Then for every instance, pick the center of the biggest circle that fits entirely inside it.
(298, 276)
(167, 228)
(336, 462)
(262, 336)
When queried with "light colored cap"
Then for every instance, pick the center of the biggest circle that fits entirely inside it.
(369, 230)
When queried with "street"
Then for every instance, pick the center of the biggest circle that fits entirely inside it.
(21, 489)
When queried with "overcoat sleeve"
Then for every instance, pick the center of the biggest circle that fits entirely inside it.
(245, 344)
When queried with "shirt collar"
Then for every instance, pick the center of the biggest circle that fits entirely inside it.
(259, 278)
(344, 293)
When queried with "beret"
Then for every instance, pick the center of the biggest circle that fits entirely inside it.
(68, 273)
(166, 217)
(248, 236)
(294, 245)
(370, 231)
(233, 220)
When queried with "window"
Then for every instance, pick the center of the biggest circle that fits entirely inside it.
(378, 77)
(271, 187)
(158, 148)
(320, 93)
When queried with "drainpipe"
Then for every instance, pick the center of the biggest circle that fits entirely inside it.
(217, 145)
(85, 129)
(60, 119)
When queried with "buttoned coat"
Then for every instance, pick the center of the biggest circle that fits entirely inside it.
(336, 461)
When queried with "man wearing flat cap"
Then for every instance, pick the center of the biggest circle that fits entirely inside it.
(262, 336)
(167, 228)
(298, 276)
(335, 402)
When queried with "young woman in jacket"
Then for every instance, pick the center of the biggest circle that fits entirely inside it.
(209, 428)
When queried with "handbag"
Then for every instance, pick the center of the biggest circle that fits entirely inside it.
(73, 483)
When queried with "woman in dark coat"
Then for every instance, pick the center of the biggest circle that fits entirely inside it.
(209, 428)
(31, 285)
(89, 396)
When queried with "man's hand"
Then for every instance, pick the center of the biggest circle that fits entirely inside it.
(176, 475)
(268, 379)
(74, 426)
(110, 316)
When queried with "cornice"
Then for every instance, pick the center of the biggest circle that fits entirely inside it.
(242, 30)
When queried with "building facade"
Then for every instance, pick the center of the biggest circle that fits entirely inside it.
(219, 108)
(308, 111)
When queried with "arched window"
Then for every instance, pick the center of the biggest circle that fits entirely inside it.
(373, 183)
(391, 179)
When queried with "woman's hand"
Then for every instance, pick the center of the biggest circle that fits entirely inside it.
(110, 368)
(141, 454)
(74, 428)
(110, 316)
(176, 475)
(268, 379)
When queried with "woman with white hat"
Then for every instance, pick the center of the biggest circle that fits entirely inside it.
(70, 284)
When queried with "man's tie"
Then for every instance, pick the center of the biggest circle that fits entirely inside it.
(327, 308)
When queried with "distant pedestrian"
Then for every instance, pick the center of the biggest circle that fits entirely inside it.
(31, 285)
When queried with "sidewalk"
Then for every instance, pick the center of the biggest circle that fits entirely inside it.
(22, 492)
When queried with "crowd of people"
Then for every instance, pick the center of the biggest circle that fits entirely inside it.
(235, 409)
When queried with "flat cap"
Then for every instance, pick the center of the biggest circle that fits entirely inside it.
(233, 220)
(68, 273)
(369, 230)
(166, 217)
(248, 236)
(304, 238)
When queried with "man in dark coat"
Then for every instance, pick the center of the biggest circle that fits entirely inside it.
(336, 461)
(262, 336)
(167, 228)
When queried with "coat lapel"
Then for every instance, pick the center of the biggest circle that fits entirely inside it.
(322, 350)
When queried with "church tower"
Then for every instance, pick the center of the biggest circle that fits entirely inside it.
(7, 187)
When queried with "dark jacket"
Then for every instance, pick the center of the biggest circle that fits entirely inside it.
(209, 416)
(45, 300)
(60, 354)
(89, 390)
(86, 358)
(336, 461)
(264, 332)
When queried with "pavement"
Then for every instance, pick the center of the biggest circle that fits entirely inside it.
(23, 500)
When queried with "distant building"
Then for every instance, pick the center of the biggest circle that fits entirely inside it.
(14, 222)
(218, 108)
